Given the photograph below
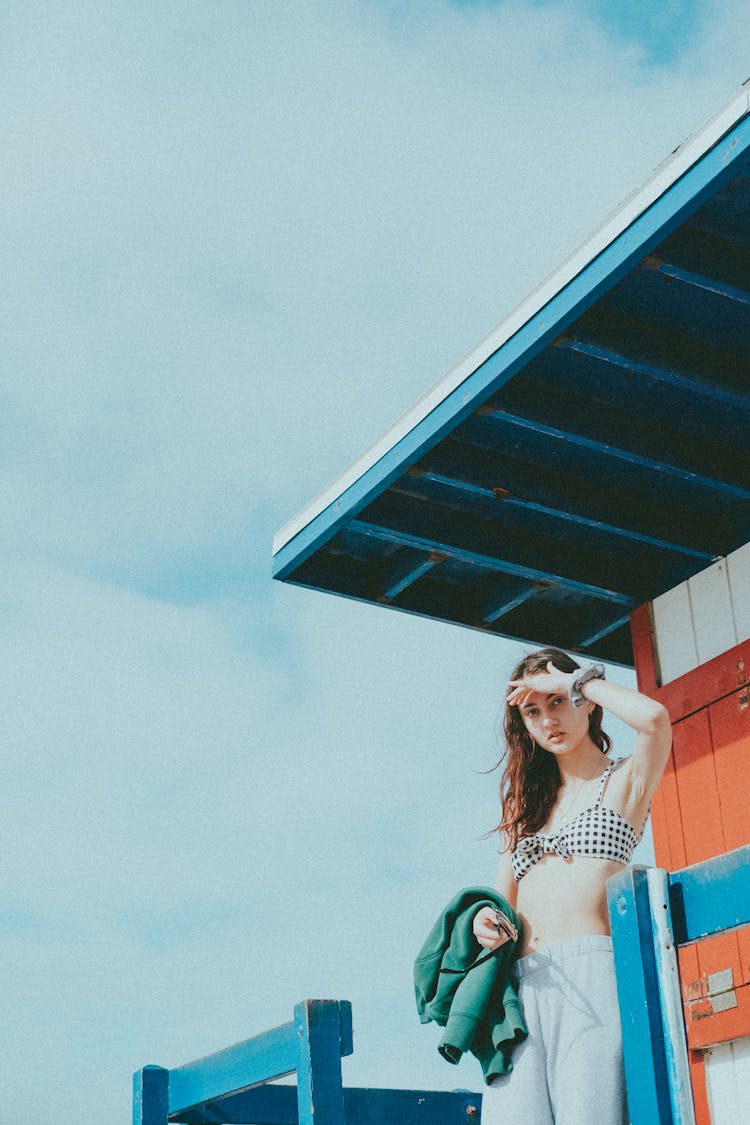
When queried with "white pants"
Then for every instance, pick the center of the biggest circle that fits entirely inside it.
(570, 1070)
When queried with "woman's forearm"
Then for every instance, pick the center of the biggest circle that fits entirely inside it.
(639, 711)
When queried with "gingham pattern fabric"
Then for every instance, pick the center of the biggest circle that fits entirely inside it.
(597, 831)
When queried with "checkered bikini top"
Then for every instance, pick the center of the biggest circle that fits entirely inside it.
(597, 831)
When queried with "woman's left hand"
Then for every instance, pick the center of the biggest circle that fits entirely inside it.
(493, 928)
(551, 682)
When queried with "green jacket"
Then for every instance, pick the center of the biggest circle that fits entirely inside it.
(478, 1006)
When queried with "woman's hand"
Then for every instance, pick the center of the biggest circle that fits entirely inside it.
(551, 682)
(493, 928)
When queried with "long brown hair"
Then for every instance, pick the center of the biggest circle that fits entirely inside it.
(531, 777)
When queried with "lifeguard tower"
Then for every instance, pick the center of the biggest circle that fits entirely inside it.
(582, 478)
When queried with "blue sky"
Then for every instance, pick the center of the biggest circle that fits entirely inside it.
(238, 240)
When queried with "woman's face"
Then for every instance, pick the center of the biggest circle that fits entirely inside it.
(554, 723)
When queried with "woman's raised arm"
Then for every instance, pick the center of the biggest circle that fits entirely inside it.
(649, 719)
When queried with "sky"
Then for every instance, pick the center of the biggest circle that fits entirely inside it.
(239, 239)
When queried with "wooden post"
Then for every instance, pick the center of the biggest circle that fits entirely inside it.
(151, 1096)
(646, 1072)
(324, 1031)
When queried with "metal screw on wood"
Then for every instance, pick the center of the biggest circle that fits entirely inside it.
(471, 1111)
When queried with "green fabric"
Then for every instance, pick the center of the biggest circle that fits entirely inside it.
(478, 1007)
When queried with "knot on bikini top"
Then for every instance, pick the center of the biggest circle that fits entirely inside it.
(532, 848)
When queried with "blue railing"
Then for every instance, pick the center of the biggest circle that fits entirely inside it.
(236, 1086)
(652, 912)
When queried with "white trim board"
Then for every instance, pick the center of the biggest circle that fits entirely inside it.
(703, 617)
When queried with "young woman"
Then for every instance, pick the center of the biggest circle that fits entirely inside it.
(571, 817)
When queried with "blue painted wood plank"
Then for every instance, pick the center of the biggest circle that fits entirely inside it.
(585, 623)
(676, 1058)
(555, 514)
(151, 1096)
(619, 487)
(405, 571)
(495, 610)
(654, 467)
(320, 1098)
(628, 378)
(650, 342)
(707, 254)
(491, 562)
(598, 394)
(268, 1104)
(638, 994)
(592, 638)
(412, 1107)
(514, 534)
(686, 304)
(711, 896)
(266, 1056)
(277, 1105)
(626, 503)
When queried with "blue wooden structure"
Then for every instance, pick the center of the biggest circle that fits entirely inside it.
(568, 470)
(237, 1085)
(652, 913)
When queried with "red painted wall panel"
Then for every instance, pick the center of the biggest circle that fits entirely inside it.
(700, 823)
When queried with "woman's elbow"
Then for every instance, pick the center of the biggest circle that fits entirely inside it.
(659, 722)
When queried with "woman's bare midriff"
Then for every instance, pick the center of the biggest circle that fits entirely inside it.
(562, 898)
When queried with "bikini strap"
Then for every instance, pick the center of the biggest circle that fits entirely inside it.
(603, 781)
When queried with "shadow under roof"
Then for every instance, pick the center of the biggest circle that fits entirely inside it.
(591, 453)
